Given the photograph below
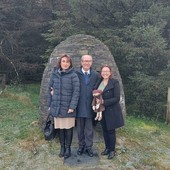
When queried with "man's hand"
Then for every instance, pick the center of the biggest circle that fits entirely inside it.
(52, 91)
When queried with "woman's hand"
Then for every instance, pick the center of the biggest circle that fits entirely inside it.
(70, 111)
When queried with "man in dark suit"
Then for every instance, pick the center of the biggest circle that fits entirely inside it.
(88, 78)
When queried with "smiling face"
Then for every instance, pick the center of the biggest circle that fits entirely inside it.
(65, 63)
(86, 62)
(106, 72)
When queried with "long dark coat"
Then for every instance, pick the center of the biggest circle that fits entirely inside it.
(111, 96)
(66, 88)
(84, 108)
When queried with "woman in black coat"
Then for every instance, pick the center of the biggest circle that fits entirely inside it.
(112, 117)
(64, 91)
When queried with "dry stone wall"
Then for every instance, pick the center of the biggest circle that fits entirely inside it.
(76, 46)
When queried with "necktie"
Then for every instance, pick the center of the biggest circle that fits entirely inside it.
(86, 77)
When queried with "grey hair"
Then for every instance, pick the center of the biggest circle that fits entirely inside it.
(82, 58)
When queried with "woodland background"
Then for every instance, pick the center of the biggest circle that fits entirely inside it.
(137, 32)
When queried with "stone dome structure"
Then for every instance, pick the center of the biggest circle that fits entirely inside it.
(76, 46)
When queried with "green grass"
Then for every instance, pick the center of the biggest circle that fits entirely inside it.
(147, 142)
(18, 108)
(141, 144)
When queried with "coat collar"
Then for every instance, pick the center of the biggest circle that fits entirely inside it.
(81, 72)
(108, 86)
(88, 72)
(61, 72)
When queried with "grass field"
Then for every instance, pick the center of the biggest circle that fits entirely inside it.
(141, 144)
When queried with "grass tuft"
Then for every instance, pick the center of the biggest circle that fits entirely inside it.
(22, 98)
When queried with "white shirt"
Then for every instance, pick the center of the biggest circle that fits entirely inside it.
(88, 72)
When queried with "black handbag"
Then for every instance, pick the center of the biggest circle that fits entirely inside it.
(49, 131)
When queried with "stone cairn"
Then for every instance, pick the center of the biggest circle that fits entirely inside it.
(76, 46)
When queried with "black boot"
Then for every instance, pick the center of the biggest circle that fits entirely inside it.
(62, 142)
(69, 136)
(111, 155)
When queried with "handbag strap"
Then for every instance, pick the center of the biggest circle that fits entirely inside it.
(48, 118)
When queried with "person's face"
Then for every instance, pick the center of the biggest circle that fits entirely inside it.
(86, 62)
(65, 64)
(105, 73)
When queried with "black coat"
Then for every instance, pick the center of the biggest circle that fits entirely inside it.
(66, 88)
(111, 96)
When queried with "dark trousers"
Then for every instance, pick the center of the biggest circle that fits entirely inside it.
(109, 136)
(85, 132)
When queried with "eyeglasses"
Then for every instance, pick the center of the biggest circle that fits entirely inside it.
(105, 71)
(86, 61)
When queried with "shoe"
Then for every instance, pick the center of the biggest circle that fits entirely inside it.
(67, 153)
(111, 155)
(90, 152)
(80, 151)
(62, 151)
(105, 152)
